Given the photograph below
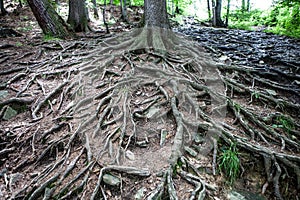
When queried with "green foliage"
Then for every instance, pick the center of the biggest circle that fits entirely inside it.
(284, 122)
(50, 38)
(246, 20)
(283, 18)
(230, 163)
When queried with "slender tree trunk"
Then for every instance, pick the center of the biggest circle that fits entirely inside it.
(213, 8)
(104, 19)
(243, 5)
(152, 18)
(50, 22)
(227, 12)
(177, 11)
(218, 9)
(95, 9)
(217, 6)
(248, 5)
(111, 2)
(123, 10)
(3, 11)
(20, 4)
(78, 15)
(208, 10)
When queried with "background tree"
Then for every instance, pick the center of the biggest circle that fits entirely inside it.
(208, 10)
(95, 9)
(217, 7)
(123, 7)
(48, 19)
(3, 11)
(227, 13)
(248, 5)
(243, 8)
(78, 18)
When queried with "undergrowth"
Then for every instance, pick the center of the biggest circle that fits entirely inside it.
(229, 163)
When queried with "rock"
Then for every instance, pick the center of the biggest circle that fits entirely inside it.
(152, 112)
(9, 113)
(111, 180)
(3, 94)
(140, 194)
(190, 151)
(130, 155)
(244, 195)
(163, 135)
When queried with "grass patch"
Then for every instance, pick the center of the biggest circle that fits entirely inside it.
(229, 163)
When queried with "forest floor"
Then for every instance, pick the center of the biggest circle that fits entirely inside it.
(262, 76)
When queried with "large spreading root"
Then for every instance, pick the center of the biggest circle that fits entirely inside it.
(138, 107)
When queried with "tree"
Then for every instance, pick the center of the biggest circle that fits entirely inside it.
(243, 8)
(48, 19)
(217, 6)
(78, 18)
(248, 6)
(227, 12)
(123, 7)
(156, 14)
(3, 11)
(208, 10)
(96, 15)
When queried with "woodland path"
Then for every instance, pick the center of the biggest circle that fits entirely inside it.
(42, 155)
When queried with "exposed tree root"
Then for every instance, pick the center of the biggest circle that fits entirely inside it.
(139, 105)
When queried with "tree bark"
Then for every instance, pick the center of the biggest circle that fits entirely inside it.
(155, 14)
(217, 21)
(243, 5)
(248, 5)
(48, 19)
(104, 19)
(78, 15)
(227, 12)
(3, 11)
(208, 10)
(95, 9)
(123, 10)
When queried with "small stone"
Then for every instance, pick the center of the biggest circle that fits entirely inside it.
(152, 112)
(140, 193)
(111, 180)
(130, 155)
(190, 151)
(163, 135)
(244, 195)
(3, 94)
(271, 92)
(9, 113)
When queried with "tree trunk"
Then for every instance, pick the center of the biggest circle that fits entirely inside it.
(78, 15)
(213, 8)
(104, 19)
(111, 2)
(3, 11)
(243, 5)
(95, 9)
(217, 21)
(123, 10)
(248, 5)
(49, 21)
(155, 14)
(208, 10)
(227, 12)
